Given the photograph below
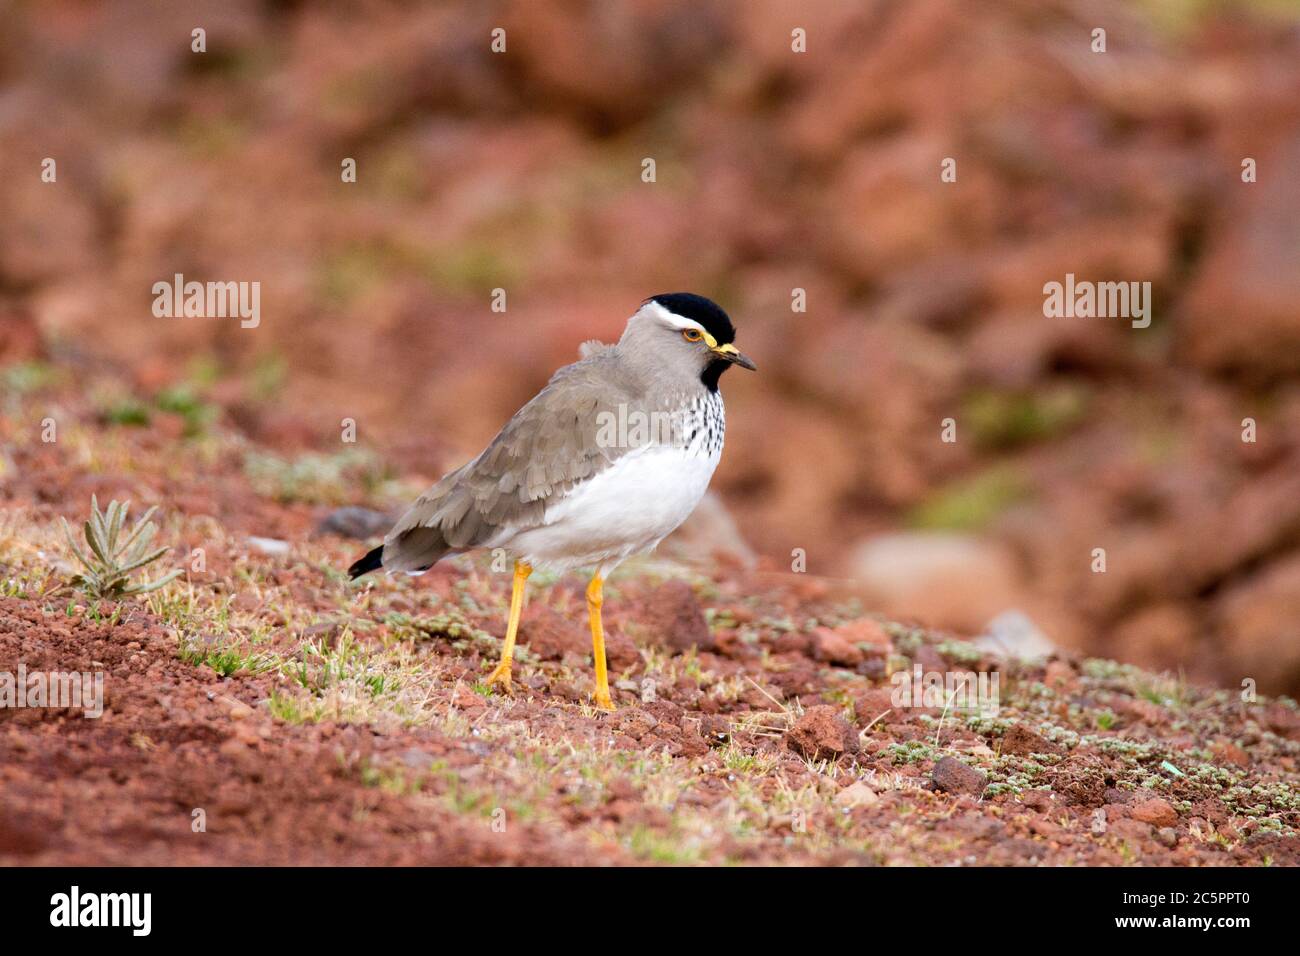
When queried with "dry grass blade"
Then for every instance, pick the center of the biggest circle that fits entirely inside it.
(769, 723)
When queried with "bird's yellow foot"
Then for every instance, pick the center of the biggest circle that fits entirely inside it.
(500, 675)
(595, 600)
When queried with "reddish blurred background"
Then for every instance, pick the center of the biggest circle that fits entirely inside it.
(776, 171)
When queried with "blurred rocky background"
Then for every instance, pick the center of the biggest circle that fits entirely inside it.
(775, 171)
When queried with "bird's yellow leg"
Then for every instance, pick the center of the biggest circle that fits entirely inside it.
(595, 599)
(501, 674)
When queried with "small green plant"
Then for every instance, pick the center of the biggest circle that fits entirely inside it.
(226, 660)
(114, 558)
(127, 411)
(184, 401)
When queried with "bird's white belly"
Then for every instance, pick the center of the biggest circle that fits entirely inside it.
(625, 510)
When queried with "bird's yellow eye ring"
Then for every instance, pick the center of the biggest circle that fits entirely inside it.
(692, 335)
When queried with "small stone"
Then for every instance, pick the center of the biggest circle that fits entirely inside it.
(952, 776)
(864, 630)
(1040, 800)
(1130, 829)
(240, 711)
(272, 546)
(692, 744)
(873, 705)
(665, 711)
(1167, 836)
(856, 795)
(832, 648)
(634, 722)
(1230, 753)
(247, 734)
(792, 642)
(822, 733)
(1014, 635)
(1020, 741)
(1156, 812)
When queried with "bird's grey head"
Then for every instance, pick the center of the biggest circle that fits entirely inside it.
(682, 335)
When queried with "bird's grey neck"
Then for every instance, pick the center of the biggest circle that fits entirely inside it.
(658, 377)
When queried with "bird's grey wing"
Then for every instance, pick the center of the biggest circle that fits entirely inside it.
(558, 440)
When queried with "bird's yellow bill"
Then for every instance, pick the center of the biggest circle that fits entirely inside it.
(731, 354)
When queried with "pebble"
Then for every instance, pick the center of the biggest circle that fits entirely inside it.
(1156, 812)
(273, 546)
(855, 795)
(822, 733)
(952, 776)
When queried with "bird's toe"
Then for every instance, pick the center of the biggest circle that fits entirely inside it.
(500, 676)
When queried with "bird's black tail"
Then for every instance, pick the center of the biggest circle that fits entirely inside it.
(373, 561)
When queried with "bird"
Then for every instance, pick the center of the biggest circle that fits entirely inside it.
(604, 462)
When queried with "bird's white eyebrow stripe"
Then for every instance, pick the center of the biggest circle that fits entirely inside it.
(671, 318)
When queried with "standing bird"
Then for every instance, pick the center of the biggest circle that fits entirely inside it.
(604, 462)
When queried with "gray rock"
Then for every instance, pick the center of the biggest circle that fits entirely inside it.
(354, 522)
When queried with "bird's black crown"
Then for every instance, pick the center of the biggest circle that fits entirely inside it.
(704, 311)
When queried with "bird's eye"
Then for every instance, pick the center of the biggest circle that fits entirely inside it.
(692, 335)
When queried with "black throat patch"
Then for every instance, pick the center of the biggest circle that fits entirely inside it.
(712, 372)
